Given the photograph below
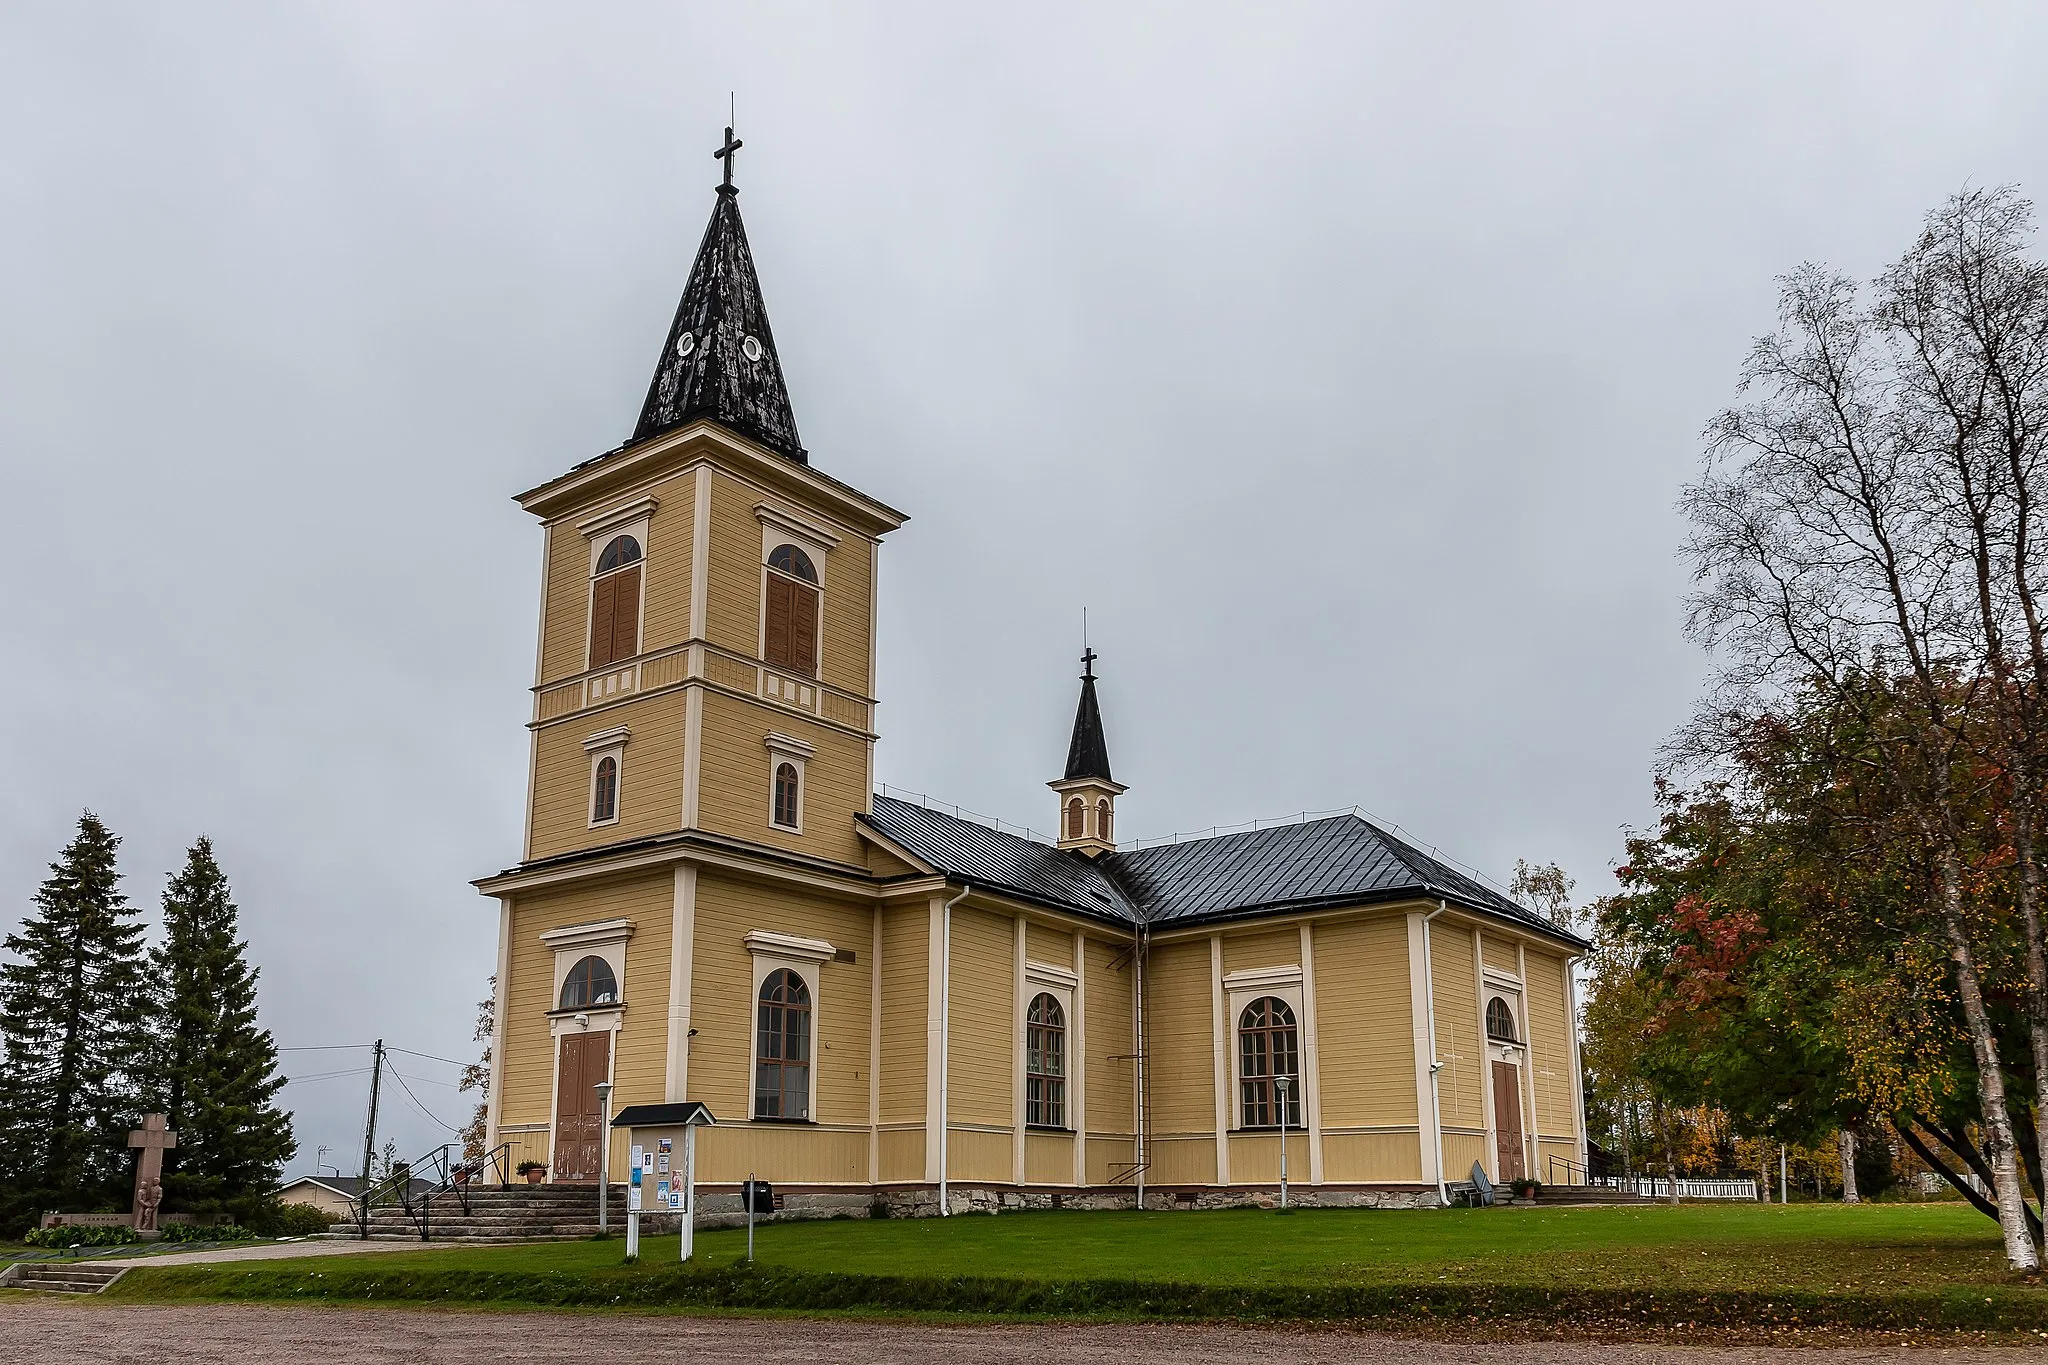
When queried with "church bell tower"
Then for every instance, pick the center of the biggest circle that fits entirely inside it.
(1088, 793)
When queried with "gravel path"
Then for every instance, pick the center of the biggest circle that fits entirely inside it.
(120, 1334)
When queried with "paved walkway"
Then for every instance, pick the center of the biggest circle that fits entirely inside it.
(93, 1333)
(273, 1251)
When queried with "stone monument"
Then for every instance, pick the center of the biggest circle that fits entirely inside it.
(150, 1142)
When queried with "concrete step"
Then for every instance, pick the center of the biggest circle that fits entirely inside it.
(74, 1277)
(1587, 1194)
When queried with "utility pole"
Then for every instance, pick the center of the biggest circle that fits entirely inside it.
(370, 1132)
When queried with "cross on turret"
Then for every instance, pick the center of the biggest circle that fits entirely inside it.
(726, 154)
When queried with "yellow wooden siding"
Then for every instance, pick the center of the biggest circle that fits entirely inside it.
(722, 996)
(565, 620)
(734, 790)
(650, 776)
(782, 1152)
(1107, 1158)
(1549, 1025)
(1458, 1045)
(1179, 1019)
(1042, 943)
(906, 934)
(640, 1063)
(981, 1086)
(1255, 1160)
(1182, 1160)
(1461, 1150)
(733, 596)
(1048, 1159)
(848, 614)
(669, 537)
(1499, 953)
(974, 1155)
(1364, 1023)
(1558, 1163)
(1368, 1158)
(901, 1156)
(1267, 948)
(1108, 1046)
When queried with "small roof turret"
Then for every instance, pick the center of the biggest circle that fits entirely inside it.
(1088, 754)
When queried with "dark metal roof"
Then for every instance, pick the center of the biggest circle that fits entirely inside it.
(1345, 860)
(719, 361)
(663, 1115)
(1023, 867)
(1088, 754)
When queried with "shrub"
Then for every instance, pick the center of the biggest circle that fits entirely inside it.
(302, 1220)
(268, 1216)
(530, 1165)
(79, 1237)
(1525, 1188)
(202, 1232)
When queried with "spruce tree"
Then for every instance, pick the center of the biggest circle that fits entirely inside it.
(215, 1070)
(72, 1003)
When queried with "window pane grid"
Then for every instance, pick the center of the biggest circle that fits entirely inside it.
(782, 1051)
(1267, 1048)
(1045, 1063)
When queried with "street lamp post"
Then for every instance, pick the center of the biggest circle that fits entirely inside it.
(1281, 1085)
(604, 1159)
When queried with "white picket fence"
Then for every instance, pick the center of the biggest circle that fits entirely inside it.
(1655, 1188)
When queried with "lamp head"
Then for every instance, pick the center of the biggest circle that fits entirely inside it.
(603, 1089)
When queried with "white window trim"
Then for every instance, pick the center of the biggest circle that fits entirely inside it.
(1496, 1050)
(787, 749)
(631, 521)
(773, 952)
(1043, 978)
(600, 746)
(778, 529)
(1241, 988)
(571, 944)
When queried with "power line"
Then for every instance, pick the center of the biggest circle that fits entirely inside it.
(429, 1056)
(416, 1102)
(429, 1080)
(325, 1075)
(328, 1047)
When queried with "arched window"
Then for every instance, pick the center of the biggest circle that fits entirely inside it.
(604, 791)
(788, 813)
(1102, 821)
(1500, 1021)
(590, 982)
(790, 637)
(782, 1054)
(1045, 1063)
(615, 603)
(1266, 1048)
(1077, 814)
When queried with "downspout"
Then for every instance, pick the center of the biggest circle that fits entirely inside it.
(946, 1040)
(1436, 1108)
(1138, 1156)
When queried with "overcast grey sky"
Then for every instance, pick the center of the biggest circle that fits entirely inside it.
(1343, 361)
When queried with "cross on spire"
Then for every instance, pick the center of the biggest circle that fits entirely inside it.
(726, 154)
(1087, 664)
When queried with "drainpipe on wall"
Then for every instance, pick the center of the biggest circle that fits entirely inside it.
(1436, 1108)
(946, 1041)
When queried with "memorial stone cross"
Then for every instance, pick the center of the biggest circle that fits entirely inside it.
(150, 1142)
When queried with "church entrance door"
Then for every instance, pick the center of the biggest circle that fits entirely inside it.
(1507, 1120)
(579, 1125)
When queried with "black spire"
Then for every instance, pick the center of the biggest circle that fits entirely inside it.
(719, 362)
(1088, 755)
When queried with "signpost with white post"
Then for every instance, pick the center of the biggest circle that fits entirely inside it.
(654, 1131)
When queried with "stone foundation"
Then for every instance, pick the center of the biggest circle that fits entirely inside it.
(721, 1209)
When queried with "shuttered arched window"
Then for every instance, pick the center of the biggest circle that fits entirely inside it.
(590, 982)
(615, 603)
(604, 791)
(782, 1048)
(1045, 1063)
(1500, 1021)
(788, 813)
(1076, 816)
(1267, 1047)
(1103, 829)
(790, 639)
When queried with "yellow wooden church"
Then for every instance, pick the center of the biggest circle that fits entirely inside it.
(891, 1008)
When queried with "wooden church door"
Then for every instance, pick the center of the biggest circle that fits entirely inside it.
(1507, 1120)
(579, 1123)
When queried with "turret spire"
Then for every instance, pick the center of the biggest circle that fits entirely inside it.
(719, 363)
(1088, 793)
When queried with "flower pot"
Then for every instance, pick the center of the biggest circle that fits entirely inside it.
(535, 1177)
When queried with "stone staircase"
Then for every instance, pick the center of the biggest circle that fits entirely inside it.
(521, 1213)
(1587, 1194)
(61, 1277)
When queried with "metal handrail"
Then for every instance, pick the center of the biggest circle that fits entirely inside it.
(1570, 1166)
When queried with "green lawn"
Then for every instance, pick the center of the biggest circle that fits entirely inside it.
(1824, 1248)
(1757, 1268)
